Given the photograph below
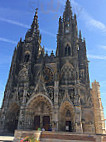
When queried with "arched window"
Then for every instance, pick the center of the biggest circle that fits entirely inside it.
(26, 59)
(67, 50)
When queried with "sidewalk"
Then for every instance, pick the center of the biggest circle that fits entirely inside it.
(6, 138)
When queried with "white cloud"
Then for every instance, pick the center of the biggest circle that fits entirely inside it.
(96, 24)
(89, 20)
(97, 57)
(48, 33)
(103, 47)
(7, 40)
(92, 23)
(14, 23)
(24, 26)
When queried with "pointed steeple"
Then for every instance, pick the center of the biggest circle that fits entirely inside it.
(52, 54)
(60, 26)
(35, 25)
(80, 35)
(67, 15)
(34, 30)
(84, 42)
(75, 18)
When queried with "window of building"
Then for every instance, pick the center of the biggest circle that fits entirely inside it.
(26, 59)
(67, 50)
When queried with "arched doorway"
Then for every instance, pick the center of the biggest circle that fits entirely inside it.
(41, 107)
(12, 118)
(66, 117)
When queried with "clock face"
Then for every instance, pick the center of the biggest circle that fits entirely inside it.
(48, 75)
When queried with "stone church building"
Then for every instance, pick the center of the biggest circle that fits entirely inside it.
(52, 91)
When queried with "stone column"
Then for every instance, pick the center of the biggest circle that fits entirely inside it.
(28, 119)
(98, 108)
(41, 121)
(78, 123)
(21, 120)
(55, 109)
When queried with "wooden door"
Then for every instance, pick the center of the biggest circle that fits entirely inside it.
(46, 123)
(68, 126)
(36, 122)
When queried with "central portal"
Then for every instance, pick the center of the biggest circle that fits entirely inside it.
(42, 113)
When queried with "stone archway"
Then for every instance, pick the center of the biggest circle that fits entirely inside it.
(66, 117)
(12, 117)
(39, 112)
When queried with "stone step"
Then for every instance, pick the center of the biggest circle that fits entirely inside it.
(65, 137)
(60, 136)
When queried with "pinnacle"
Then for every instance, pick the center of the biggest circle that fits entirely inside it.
(36, 13)
(68, 11)
(68, 0)
(80, 35)
(35, 24)
(68, 3)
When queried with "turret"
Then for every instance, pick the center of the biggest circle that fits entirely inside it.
(82, 48)
(80, 36)
(60, 31)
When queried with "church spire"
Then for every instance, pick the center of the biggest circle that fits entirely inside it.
(34, 30)
(67, 15)
(35, 25)
(80, 35)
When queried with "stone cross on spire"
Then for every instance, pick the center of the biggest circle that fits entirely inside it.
(36, 13)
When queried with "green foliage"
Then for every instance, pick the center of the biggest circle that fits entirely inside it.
(29, 139)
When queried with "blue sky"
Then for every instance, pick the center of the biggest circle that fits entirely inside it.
(16, 17)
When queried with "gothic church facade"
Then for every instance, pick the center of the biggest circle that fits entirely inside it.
(52, 91)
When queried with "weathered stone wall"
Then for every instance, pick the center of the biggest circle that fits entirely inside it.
(98, 109)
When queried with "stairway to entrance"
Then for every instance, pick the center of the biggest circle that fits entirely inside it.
(47, 136)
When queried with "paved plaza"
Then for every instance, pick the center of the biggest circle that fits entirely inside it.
(6, 138)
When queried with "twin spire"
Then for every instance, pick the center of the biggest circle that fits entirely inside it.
(67, 18)
(34, 30)
(67, 15)
(35, 25)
